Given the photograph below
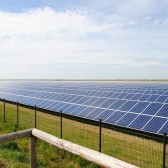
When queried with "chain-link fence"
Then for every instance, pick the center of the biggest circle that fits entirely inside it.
(139, 150)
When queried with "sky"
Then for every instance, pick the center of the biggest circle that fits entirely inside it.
(89, 39)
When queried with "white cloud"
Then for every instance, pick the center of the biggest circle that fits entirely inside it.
(45, 36)
(46, 22)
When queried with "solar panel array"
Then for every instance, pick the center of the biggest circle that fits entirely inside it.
(141, 106)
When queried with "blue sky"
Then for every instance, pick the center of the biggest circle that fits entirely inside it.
(70, 39)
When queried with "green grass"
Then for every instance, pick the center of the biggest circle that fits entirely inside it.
(16, 154)
(135, 150)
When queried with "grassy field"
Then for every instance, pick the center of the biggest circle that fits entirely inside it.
(138, 151)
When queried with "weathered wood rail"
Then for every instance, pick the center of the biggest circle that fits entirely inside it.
(88, 154)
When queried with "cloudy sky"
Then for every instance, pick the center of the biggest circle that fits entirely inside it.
(89, 39)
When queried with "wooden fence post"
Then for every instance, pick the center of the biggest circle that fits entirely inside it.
(33, 152)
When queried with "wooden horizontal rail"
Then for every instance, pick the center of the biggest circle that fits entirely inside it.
(16, 135)
(88, 154)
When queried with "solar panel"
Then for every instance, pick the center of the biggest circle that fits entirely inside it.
(154, 124)
(139, 107)
(163, 111)
(127, 119)
(140, 122)
(152, 108)
(128, 105)
(106, 114)
(142, 106)
(115, 117)
(117, 104)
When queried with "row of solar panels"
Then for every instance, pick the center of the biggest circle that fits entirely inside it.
(90, 90)
(73, 94)
(97, 87)
(94, 86)
(131, 109)
(117, 115)
(150, 108)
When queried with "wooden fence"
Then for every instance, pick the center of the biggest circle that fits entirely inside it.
(88, 154)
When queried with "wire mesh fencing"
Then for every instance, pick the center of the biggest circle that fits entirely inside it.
(80, 133)
(48, 123)
(10, 113)
(140, 151)
(26, 118)
(136, 150)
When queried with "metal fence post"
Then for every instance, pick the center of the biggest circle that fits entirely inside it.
(35, 122)
(61, 124)
(4, 111)
(100, 135)
(164, 149)
(17, 119)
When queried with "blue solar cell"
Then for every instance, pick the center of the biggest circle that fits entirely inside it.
(46, 104)
(114, 95)
(71, 108)
(127, 119)
(141, 91)
(129, 96)
(161, 99)
(147, 92)
(62, 97)
(34, 101)
(153, 98)
(117, 104)
(103, 94)
(105, 115)
(96, 112)
(40, 103)
(98, 102)
(29, 101)
(140, 122)
(155, 124)
(107, 103)
(163, 111)
(115, 117)
(76, 99)
(57, 97)
(164, 129)
(48, 96)
(83, 100)
(154, 92)
(144, 97)
(165, 93)
(64, 107)
(86, 111)
(58, 107)
(90, 101)
(128, 105)
(121, 96)
(69, 98)
(51, 106)
(78, 110)
(139, 107)
(152, 108)
(160, 92)
(98, 94)
(136, 97)
(54, 96)
(166, 100)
